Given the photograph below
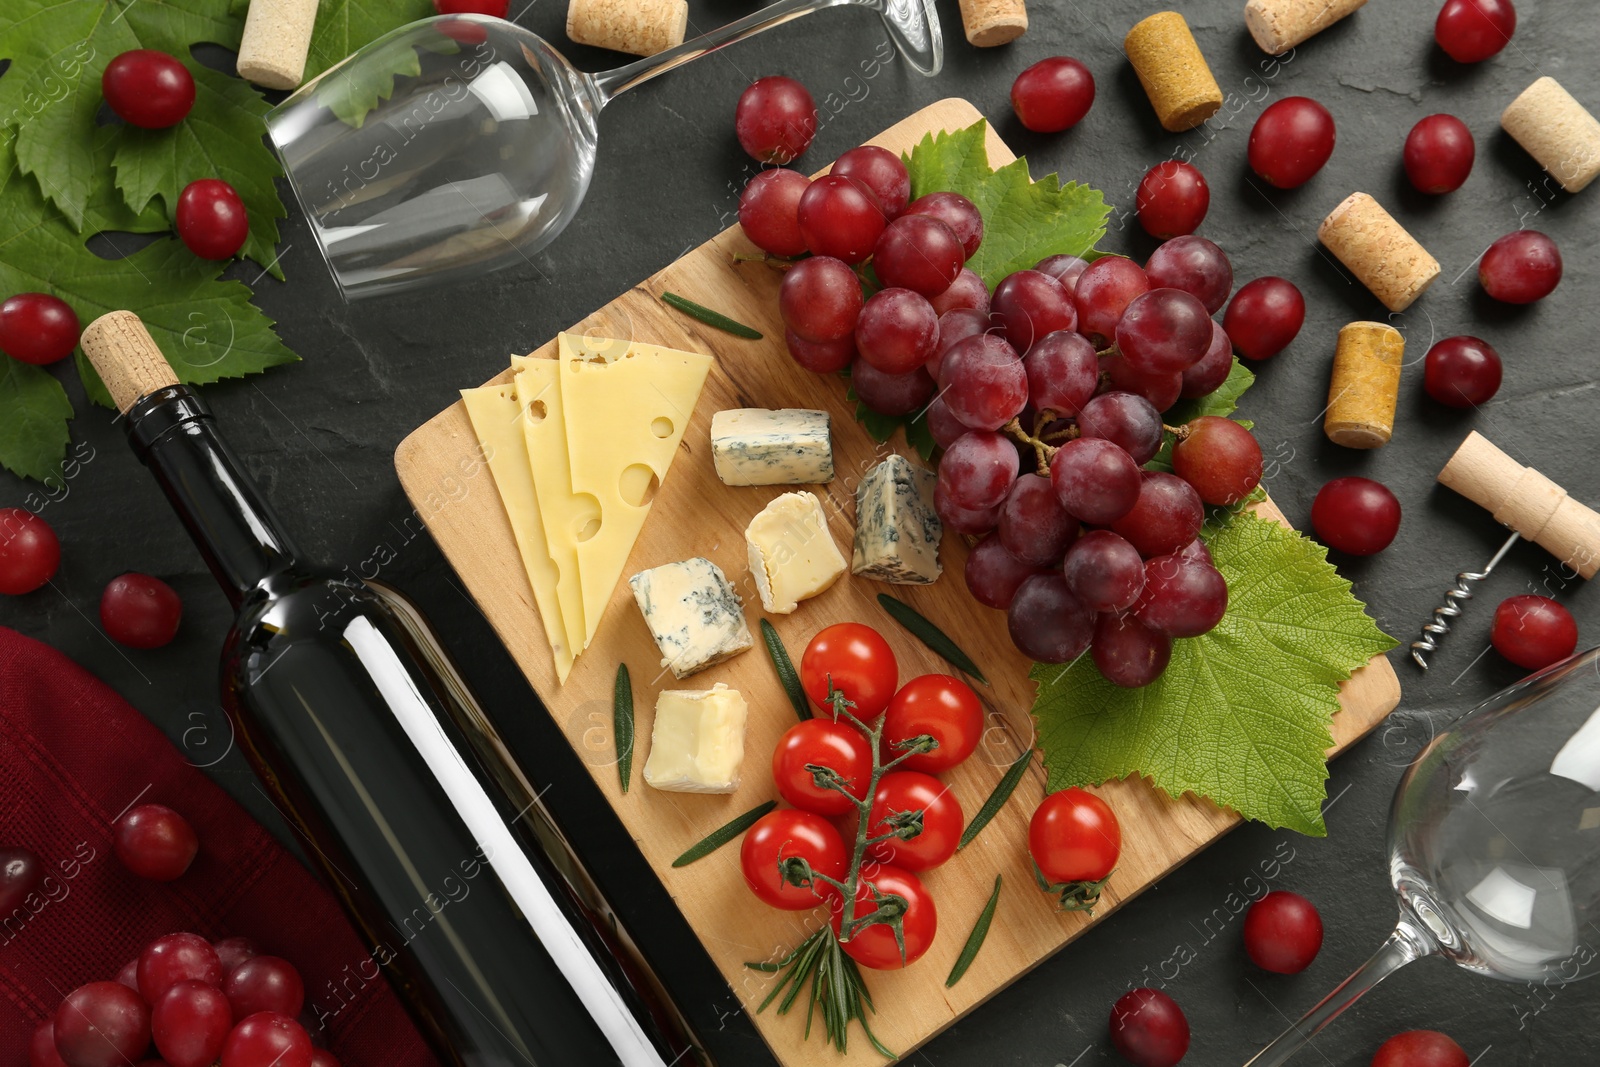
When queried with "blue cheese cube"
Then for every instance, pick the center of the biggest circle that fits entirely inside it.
(897, 528)
(753, 446)
(693, 613)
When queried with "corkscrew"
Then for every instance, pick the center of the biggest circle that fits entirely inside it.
(1531, 505)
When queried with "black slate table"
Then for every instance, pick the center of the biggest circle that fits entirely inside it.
(320, 435)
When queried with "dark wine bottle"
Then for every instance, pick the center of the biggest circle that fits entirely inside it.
(472, 901)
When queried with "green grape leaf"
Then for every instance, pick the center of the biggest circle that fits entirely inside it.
(1242, 713)
(1023, 220)
(33, 434)
(221, 138)
(352, 91)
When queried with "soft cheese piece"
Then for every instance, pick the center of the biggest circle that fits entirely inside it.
(754, 446)
(497, 421)
(626, 406)
(693, 613)
(697, 742)
(897, 528)
(792, 555)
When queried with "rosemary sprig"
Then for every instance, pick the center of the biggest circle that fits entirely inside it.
(930, 635)
(997, 799)
(836, 986)
(785, 668)
(711, 318)
(723, 834)
(622, 724)
(980, 931)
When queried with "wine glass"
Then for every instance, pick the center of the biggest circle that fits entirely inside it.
(1494, 845)
(463, 144)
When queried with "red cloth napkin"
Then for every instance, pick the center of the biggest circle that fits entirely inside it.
(73, 756)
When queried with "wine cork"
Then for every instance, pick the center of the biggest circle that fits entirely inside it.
(1526, 501)
(1365, 385)
(1378, 251)
(1173, 72)
(277, 36)
(1557, 131)
(638, 27)
(1279, 25)
(993, 22)
(126, 357)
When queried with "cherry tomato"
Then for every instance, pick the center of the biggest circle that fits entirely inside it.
(148, 88)
(941, 706)
(874, 946)
(38, 328)
(780, 834)
(1420, 1048)
(855, 660)
(825, 743)
(942, 820)
(1149, 1029)
(212, 220)
(1074, 837)
(29, 552)
(1283, 932)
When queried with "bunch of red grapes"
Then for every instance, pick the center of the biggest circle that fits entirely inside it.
(1045, 395)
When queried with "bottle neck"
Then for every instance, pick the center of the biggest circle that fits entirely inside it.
(237, 531)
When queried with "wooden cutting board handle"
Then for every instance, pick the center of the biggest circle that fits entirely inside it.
(126, 356)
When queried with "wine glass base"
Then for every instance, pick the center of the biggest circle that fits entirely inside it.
(913, 26)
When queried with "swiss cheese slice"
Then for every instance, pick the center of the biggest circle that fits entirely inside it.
(564, 515)
(497, 420)
(626, 407)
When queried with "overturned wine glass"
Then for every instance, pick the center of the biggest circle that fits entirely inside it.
(1494, 846)
(463, 144)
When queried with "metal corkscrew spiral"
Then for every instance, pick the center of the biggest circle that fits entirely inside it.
(1439, 625)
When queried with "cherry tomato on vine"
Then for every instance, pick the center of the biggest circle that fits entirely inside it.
(29, 552)
(1420, 1048)
(38, 328)
(856, 661)
(147, 88)
(874, 946)
(942, 706)
(942, 820)
(1282, 932)
(784, 833)
(825, 743)
(1074, 837)
(212, 220)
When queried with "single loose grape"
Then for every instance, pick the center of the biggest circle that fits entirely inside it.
(1264, 317)
(1439, 154)
(1291, 141)
(1521, 268)
(1172, 199)
(1533, 631)
(1471, 31)
(1462, 372)
(1356, 515)
(38, 328)
(775, 119)
(1053, 95)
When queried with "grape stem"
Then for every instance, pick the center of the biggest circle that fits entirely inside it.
(1044, 446)
(1180, 432)
(777, 263)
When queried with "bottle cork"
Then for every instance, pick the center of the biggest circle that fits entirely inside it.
(1365, 385)
(1378, 251)
(638, 27)
(993, 22)
(126, 357)
(1279, 25)
(1173, 72)
(1526, 501)
(1557, 131)
(277, 36)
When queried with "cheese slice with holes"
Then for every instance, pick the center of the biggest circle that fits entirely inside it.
(626, 406)
(561, 512)
(497, 420)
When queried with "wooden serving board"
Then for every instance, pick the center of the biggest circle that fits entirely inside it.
(694, 514)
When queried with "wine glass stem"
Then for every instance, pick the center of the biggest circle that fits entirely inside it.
(609, 83)
(1407, 943)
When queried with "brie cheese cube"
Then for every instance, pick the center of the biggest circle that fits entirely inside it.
(792, 555)
(754, 446)
(897, 528)
(693, 613)
(697, 742)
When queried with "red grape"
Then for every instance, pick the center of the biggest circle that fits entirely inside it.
(820, 299)
(1148, 1028)
(775, 119)
(768, 211)
(891, 394)
(1220, 458)
(1167, 516)
(979, 470)
(956, 326)
(1181, 598)
(175, 958)
(993, 575)
(1264, 317)
(264, 983)
(881, 171)
(1172, 200)
(190, 1022)
(1028, 305)
(1420, 1048)
(1095, 480)
(967, 292)
(820, 357)
(984, 382)
(920, 253)
(1103, 293)
(148, 89)
(129, 974)
(1064, 269)
(1195, 265)
(1207, 376)
(1104, 571)
(1125, 420)
(1356, 515)
(1047, 623)
(155, 842)
(492, 8)
(944, 426)
(1291, 141)
(1053, 95)
(1128, 653)
(1282, 932)
(211, 219)
(1196, 552)
(1160, 389)
(963, 520)
(38, 328)
(1522, 267)
(102, 1024)
(1471, 31)
(898, 331)
(1063, 372)
(21, 872)
(1033, 527)
(232, 951)
(956, 212)
(321, 1057)
(1533, 631)
(1462, 372)
(42, 1047)
(140, 611)
(1164, 331)
(29, 552)
(840, 217)
(1439, 154)
(267, 1039)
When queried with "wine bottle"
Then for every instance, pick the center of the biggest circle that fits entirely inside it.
(471, 900)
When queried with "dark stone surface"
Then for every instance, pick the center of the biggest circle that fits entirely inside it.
(320, 436)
